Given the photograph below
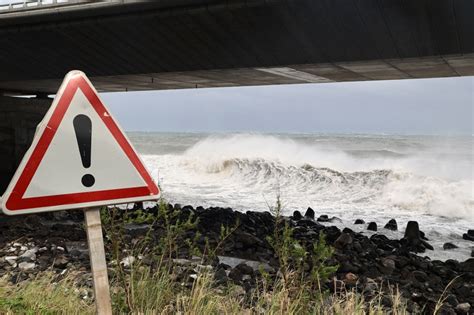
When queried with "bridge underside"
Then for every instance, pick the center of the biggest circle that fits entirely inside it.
(394, 69)
(202, 43)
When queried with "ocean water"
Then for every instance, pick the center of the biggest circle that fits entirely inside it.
(429, 179)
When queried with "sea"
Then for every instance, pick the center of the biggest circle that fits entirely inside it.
(429, 179)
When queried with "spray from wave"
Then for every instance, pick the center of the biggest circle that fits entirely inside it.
(248, 170)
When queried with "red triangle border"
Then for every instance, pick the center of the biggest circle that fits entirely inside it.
(16, 202)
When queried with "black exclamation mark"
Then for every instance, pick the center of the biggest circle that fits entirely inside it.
(83, 128)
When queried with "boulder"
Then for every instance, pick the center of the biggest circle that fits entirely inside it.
(468, 237)
(451, 299)
(297, 215)
(391, 225)
(423, 236)
(11, 260)
(359, 221)
(309, 213)
(323, 218)
(427, 245)
(347, 230)
(138, 206)
(236, 275)
(326, 218)
(127, 261)
(29, 255)
(308, 223)
(412, 232)
(247, 239)
(77, 249)
(414, 239)
(420, 276)
(372, 226)
(387, 266)
(200, 209)
(350, 279)
(468, 265)
(448, 246)
(245, 269)
(25, 266)
(220, 276)
(463, 308)
(343, 240)
(61, 262)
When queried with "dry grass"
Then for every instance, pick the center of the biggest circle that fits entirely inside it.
(158, 294)
(43, 295)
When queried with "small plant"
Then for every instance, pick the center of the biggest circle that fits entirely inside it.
(302, 267)
(292, 255)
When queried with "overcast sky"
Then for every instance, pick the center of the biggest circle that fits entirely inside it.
(432, 106)
(429, 106)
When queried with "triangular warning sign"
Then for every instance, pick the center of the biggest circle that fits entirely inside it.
(79, 158)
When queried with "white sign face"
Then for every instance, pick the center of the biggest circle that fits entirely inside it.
(79, 158)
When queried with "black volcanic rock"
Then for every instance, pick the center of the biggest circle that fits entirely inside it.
(448, 246)
(236, 275)
(463, 308)
(343, 240)
(220, 276)
(347, 230)
(372, 226)
(414, 239)
(427, 245)
(412, 232)
(468, 237)
(387, 266)
(308, 223)
(323, 218)
(391, 225)
(423, 236)
(309, 213)
(297, 215)
(138, 205)
(467, 266)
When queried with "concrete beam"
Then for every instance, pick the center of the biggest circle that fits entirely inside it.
(388, 69)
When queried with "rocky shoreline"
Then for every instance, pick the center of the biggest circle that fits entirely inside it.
(35, 243)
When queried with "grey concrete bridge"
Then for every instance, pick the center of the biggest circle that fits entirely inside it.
(170, 44)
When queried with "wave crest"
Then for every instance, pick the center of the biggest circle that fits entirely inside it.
(250, 169)
(243, 168)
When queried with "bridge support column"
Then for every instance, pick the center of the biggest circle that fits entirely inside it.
(19, 117)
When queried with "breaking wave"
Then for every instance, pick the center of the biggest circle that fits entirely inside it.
(240, 169)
